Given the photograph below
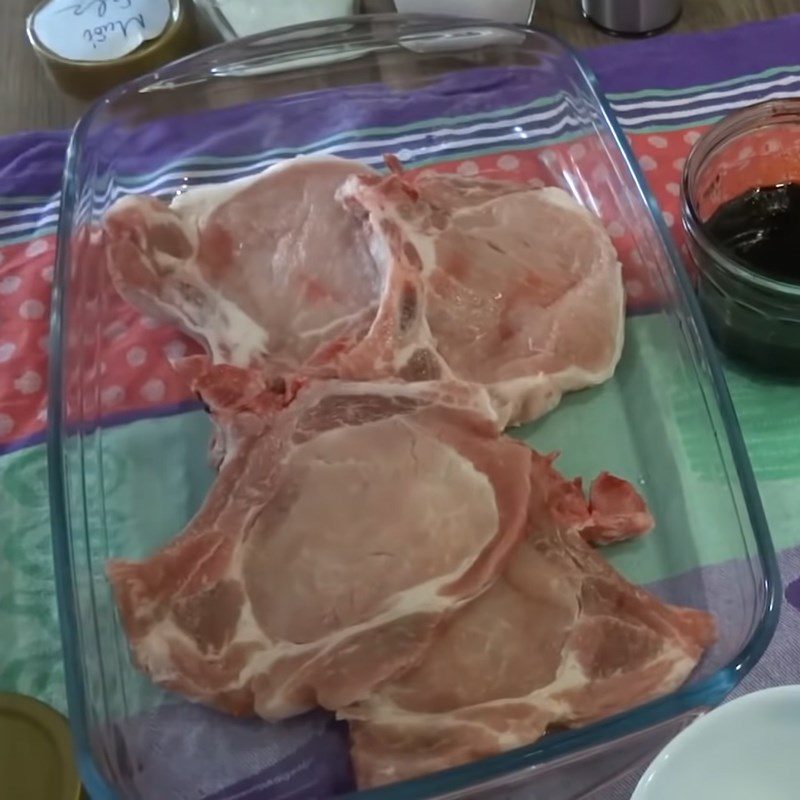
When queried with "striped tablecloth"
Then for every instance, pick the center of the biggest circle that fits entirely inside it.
(665, 91)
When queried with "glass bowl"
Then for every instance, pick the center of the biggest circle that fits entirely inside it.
(128, 444)
(753, 317)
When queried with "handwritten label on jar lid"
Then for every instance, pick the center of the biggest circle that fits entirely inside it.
(99, 30)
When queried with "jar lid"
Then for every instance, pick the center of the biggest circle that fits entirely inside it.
(36, 756)
(89, 46)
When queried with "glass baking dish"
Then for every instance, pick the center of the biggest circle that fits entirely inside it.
(128, 460)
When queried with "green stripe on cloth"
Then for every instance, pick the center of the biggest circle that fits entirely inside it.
(30, 656)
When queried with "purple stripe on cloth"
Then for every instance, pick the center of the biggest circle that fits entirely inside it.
(303, 758)
(31, 164)
(793, 593)
(683, 60)
(285, 122)
(667, 62)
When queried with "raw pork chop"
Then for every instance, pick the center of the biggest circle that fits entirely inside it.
(338, 535)
(266, 270)
(560, 640)
(497, 283)
(442, 277)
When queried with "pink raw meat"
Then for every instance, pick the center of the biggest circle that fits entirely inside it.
(493, 282)
(266, 270)
(340, 532)
(321, 267)
(561, 639)
(618, 511)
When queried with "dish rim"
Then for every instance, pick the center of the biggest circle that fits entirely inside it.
(707, 692)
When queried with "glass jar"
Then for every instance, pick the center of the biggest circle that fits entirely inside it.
(754, 318)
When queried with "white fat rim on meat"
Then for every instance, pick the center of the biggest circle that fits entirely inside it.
(331, 327)
(379, 710)
(153, 648)
(201, 200)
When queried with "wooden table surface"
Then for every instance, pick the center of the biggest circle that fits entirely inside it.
(29, 101)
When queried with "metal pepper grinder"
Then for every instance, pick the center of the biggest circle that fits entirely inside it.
(631, 17)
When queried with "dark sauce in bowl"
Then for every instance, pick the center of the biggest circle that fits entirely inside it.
(748, 283)
(762, 229)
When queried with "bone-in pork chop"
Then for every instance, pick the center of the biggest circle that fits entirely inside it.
(340, 532)
(561, 639)
(493, 282)
(266, 270)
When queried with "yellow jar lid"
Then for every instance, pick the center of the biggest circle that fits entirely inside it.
(36, 757)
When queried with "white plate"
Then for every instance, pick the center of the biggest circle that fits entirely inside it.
(748, 749)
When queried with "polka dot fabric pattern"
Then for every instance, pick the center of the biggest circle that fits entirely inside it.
(135, 371)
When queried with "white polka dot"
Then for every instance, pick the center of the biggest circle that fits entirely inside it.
(577, 151)
(615, 229)
(745, 153)
(47, 274)
(536, 183)
(467, 168)
(772, 146)
(175, 349)
(636, 258)
(508, 163)
(648, 163)
(115, 329)
(669, 219)
(658, 141)
(154, 390)
(6, 424)
(10, 284)
(28, 383)
(674, 189)
(150, 323)
(136, 356)
(44, 343)
(548, 157)
(679, 163)
(7, 349)
(36, 248)
(634, 289)
(31, 309)
(691, 137)
(112, 395)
